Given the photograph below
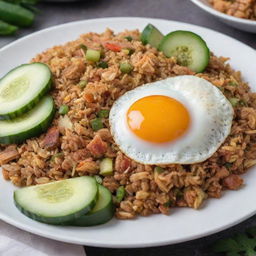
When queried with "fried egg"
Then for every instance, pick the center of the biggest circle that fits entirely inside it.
(181, 119)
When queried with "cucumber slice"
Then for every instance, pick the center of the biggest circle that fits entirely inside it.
(151, 35)
(102, 212)
(59, 201)
(22, 88)
(189, 49)
(28, 125)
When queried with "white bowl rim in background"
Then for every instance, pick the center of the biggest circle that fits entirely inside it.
(230, 19)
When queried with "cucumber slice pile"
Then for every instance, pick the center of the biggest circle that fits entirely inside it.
(22, 88)
(25, 111)
(77, 202)
(102, 212)
(59, 201)
(188, 48)
(151, 35)
(29, 124)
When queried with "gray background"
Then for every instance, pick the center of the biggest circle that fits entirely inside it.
(180, 10)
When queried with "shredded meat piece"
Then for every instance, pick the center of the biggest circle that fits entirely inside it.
(181, 70)
(88, 165)
(104, 134)
(122, 163)
(97, 146)
(222, 173)
(81, 154)
(51, 139)
(8, 155)
(74, 69)
(233, 182)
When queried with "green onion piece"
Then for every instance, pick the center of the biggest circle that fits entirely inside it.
(233, 83)
(129, 38)
(228, 165)
(126, 67)
(102, 52)
(127, 51)
(61, 154)
(83, 47)
(106, 166)
(131, 51)
(168, 204)
(120, 193)
(96, 124)
(234, 101)
(63, 110)
(92, 55)
(98, 179)
(103, 64)
(82, 83)
(103, 113)
(158, 169)
(178, 193)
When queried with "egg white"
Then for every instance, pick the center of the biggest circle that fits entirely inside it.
(211, 117)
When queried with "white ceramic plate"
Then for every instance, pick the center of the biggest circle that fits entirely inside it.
(183, 224)
(238, 23)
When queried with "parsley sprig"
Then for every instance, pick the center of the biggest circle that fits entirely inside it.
(243, 244)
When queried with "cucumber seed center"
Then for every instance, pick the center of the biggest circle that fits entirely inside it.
(15, 88)
(55, 193)
(183, 55)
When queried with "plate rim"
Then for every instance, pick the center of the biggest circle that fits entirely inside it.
(59, 237)
(115, 18)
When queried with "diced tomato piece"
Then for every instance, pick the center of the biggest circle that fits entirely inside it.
(113, 47)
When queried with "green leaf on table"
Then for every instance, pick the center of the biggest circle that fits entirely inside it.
(246, 244)
(226, 245)
(242, 244)
(252, 231)
(233, 254)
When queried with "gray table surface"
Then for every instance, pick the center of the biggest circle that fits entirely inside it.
(180, 10)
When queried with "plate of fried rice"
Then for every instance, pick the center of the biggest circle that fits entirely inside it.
(161, 202)
(238, 14)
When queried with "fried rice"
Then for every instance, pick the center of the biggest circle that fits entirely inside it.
(245, 9)
(76, 150)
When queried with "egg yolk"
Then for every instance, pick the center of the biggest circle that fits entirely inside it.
(158, 118)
